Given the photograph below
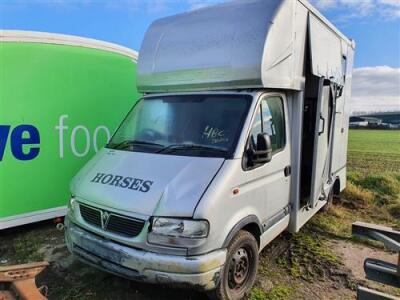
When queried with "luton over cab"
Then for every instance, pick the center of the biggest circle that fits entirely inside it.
(241, 135)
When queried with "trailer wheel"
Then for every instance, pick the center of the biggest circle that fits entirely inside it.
(240, 269)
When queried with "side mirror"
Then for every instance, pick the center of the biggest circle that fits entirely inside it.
(263, 152)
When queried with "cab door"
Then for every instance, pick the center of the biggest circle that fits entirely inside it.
(271, 181)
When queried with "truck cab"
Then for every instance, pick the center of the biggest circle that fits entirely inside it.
(219, 156)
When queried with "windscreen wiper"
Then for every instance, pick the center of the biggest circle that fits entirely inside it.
(177, 147)
(128, 143)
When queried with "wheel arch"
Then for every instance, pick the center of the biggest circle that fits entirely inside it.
(250, 224)
(336, 186)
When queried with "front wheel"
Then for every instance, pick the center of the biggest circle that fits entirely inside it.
(240, 269)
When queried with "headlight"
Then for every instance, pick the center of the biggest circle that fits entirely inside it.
(71, 204)
(180, 227)
(178, 232)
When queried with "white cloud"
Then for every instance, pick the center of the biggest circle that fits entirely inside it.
(148, 6)
(156, 6)
(375, 89)
(325, 4)
(350, 9)
(390, 8)
(197, 4)
(395, 3)
(362, 7)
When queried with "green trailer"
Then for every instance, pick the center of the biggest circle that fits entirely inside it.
(61, 98)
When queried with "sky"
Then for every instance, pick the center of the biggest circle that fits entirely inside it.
(373, 24)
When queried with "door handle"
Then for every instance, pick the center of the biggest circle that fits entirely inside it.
(323, 125)
(287, 171)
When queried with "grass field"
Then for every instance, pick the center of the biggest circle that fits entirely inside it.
(374, 141)
(374, 169)
(374, 151)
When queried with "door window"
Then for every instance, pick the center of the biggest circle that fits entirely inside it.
(270, 119)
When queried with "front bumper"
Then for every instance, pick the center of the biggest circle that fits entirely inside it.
(202, 272)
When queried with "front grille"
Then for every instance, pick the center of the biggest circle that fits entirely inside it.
(126, 226)
(91, 215)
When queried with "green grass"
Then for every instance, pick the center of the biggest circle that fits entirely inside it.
(278, 292)
(374, 173)
(308, 257)
(374, 151)
(375, 141)
(24, 249)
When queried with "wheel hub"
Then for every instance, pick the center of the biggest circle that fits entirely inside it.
(239, 268)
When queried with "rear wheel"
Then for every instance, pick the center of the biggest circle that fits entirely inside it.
(240, 269)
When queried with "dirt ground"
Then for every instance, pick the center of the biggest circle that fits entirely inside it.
(66, 278)
(353, 257)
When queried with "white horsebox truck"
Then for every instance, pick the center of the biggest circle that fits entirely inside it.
(241, 135)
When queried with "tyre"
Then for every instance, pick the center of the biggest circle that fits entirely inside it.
(240, 269)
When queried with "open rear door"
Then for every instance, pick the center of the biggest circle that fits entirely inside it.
(327, 64)
(321, 145)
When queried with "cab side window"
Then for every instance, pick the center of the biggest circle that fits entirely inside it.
(270, 119)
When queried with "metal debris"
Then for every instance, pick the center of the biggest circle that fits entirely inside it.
(375, 269)
(18, 282)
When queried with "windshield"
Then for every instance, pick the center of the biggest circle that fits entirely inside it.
(195, 125)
